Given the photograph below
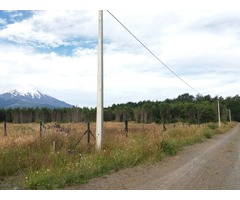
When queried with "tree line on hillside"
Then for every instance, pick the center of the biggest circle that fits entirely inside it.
(185, 108)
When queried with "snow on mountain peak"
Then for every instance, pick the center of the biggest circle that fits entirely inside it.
(26, 91)
(29, 97)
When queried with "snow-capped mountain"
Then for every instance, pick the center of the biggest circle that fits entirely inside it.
(27, 93)
(29, 97)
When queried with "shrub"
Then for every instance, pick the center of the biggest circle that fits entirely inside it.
(212, 126)
(169, 147)
(208, 133)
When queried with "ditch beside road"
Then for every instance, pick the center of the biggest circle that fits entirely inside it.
(213, 164)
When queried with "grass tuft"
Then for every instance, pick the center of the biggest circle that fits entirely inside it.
(169, 147)
(208, 133)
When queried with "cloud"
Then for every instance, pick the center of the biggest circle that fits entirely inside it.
(200, 46)
(48, 72)
(2, 22)
(16, 14)
(51, 28)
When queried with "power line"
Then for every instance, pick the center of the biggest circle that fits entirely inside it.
(152, 52)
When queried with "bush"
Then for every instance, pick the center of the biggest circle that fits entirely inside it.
(208, 133)
(169, 147)
(212, 126)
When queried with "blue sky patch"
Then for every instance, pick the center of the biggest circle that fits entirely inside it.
(15, 15)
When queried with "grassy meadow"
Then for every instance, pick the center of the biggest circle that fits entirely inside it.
(56, 161)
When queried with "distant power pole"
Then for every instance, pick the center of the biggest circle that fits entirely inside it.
(219, 118)
(230, 117)
(99, 121)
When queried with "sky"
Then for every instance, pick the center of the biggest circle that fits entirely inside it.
(55, 51)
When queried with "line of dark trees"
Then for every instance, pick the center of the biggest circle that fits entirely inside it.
(185, 108)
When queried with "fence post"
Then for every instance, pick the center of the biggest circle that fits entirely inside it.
(126, 127)
(5, 129)
(40, 129)
(164, 127)
(88, 132)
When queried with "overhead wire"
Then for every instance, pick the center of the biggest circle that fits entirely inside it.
(130, 32)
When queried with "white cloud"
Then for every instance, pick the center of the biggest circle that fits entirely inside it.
(3, 21)
(190, 43)
(16, 14)
(52, 28)
(48, 72)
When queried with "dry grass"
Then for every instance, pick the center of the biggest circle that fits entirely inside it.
(55, 161)
(23, 134)
(18, 135)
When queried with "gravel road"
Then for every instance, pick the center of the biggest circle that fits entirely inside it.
(213, 164)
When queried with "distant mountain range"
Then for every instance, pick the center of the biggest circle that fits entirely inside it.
(30, 98)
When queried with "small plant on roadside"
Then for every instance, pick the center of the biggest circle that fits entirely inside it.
(208, 133)
(169, 147)
(212, 126)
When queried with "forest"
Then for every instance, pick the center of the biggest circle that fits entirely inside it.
(185, 108)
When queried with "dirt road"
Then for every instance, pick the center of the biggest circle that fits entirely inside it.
(213, 164)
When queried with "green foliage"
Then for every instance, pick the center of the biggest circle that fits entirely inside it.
(169, 147)
(212, 126)
(12, 161)
(184, 108)
(208, 133)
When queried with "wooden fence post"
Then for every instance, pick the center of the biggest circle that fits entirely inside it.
(5, 129)
(88, 132)
(164, 127)
(40, 129)
(126, 127)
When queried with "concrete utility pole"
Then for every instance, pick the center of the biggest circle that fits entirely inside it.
(219, 118)
(230, 117)
(99, 122)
